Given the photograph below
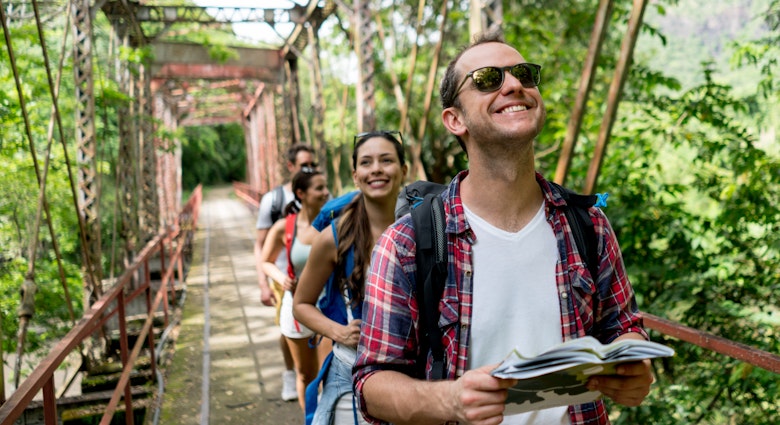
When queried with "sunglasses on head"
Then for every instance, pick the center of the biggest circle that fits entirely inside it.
(391, 133)
(491, 78)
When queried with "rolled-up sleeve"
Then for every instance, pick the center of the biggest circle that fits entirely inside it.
(387, 337)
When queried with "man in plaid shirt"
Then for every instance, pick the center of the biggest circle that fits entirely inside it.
(515, 278)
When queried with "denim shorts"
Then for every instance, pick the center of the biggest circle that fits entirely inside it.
(338, 382)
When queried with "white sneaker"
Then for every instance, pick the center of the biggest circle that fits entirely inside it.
(289, 390)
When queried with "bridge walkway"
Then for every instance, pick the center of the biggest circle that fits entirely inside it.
(227, 365)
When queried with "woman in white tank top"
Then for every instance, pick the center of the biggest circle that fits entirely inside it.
(311, 192)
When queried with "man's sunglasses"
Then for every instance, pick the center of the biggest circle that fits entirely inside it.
(395, 134)
(491, 78)
(309, 165)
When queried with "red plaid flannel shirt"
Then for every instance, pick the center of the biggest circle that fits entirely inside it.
(389, 334)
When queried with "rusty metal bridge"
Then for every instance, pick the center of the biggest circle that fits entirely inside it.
(228, 365)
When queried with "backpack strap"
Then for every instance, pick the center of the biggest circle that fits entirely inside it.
(277, 204)
(581, 226)
(313, 389)
(431, 258)
(290, 230)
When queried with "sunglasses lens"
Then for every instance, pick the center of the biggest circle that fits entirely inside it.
(528, 75)
(488, 79)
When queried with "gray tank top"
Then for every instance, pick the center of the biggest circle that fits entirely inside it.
(298, 254)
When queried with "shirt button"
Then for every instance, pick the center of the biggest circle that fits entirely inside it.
(468, 273)
(564, 295)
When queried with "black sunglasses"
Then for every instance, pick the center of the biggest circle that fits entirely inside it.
(491, 78)
(309, 165)
(391, 133)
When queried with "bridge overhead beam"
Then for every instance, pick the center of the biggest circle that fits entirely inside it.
(211, 121)
(218, 14)
(192, 61)
(152, 22)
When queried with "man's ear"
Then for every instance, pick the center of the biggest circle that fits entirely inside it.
(452, 118)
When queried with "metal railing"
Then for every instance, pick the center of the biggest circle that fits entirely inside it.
(247, 193)
(712, 342)
(133, 283)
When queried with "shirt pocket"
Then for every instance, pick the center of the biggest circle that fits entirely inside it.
(585, 295)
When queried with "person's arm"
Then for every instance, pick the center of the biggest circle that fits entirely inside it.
(263, 224)
(474, 398)
(266, 294)
(319, 266)
(273, 245)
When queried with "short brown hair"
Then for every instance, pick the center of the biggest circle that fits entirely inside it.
(450, 81)
(292, 151)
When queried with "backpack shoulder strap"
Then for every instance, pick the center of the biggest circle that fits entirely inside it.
(431, 258)
(278, 203)
(581, 225)
(290, 230)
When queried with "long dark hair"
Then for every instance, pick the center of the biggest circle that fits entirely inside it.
(302, 180)
(354, 229)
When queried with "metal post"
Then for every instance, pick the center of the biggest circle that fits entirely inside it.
(86, 143)
(149, 209)
(615, 91)
(586, 80)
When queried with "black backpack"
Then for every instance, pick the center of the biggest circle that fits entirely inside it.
(422, 200)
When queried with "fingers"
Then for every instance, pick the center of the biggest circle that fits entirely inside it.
(482, 396)
(629, 386)
(290, 284)
(267, 298)
(351, 333)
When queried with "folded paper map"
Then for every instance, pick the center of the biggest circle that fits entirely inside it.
(558, 376)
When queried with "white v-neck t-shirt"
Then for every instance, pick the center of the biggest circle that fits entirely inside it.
(515, 300)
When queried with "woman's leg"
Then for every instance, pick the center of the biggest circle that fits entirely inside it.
(306, 365)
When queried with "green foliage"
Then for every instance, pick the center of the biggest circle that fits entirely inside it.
(213, 155)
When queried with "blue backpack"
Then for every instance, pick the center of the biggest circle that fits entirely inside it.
(332, 305)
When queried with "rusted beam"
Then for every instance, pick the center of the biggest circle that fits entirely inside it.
(253, 101)
(586, 81)
(615, 92)
(736, 350)
(173, 70)
(192, 61)
(211, 121)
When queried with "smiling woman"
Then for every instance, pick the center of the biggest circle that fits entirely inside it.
(339, 262)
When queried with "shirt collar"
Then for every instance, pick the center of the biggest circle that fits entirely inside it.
(456, 216)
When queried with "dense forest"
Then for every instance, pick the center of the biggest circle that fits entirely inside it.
(692, 168)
